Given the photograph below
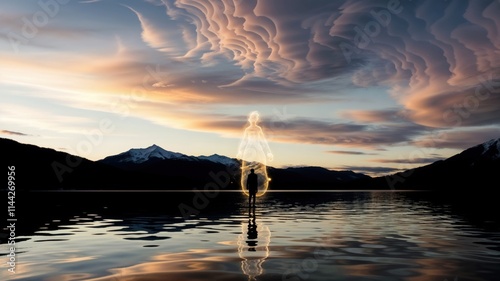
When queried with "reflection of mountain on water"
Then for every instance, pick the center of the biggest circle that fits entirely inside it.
(153, 213)
(363, 234)
(150, 228)
(130, 215)
(149, 220)
(146, 213)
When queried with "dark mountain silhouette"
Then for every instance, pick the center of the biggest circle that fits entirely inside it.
(149, 168)
(312, 178)
(176, 170)
(157, 161)
(48, 169)
(474, 169)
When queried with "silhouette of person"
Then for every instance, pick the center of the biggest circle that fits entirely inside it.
(252, 186)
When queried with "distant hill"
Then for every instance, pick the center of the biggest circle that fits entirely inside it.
(312, 178)
(473, 170)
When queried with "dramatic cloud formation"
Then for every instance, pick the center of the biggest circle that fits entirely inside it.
(356, 76)
(439, 60)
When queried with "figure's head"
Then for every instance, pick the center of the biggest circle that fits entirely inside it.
(252, 170)
(253, 117)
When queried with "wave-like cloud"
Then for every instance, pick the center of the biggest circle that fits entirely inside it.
(437, 58)
(266, 39)
(159, 37)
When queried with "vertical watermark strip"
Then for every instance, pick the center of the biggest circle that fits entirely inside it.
(11, 219)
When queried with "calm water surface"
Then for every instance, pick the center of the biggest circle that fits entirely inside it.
(291, 236)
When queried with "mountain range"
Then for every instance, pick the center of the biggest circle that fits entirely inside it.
(157, 161)
(156, 168)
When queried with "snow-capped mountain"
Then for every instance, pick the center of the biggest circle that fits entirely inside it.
(140, 155)
(491, 149)
(216, 158)
(155, 152)
(481, 153)
(476, 167)
(155, 160)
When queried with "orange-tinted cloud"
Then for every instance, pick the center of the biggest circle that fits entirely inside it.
(293, 130)
(13, 133)
(438, 61)
(375, 116)
(409, 161)
(346, 152)
(432, 64)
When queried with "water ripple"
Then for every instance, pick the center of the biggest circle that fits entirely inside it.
(334, 236)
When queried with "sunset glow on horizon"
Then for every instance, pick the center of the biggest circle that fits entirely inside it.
(373, 86)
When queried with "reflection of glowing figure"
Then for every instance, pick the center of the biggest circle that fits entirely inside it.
(253, 250)
(254, 153)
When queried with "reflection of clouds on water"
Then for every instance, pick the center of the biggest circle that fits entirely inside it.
(253, 247)
(398, 235)
(254, 153)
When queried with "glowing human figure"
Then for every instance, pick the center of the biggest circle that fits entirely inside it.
(254, 152)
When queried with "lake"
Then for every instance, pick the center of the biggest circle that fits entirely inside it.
(289, 236)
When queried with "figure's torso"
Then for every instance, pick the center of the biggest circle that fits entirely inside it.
(253, 133)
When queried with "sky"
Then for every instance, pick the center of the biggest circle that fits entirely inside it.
(369, 86)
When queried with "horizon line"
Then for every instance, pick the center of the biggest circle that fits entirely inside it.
(221, 190)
